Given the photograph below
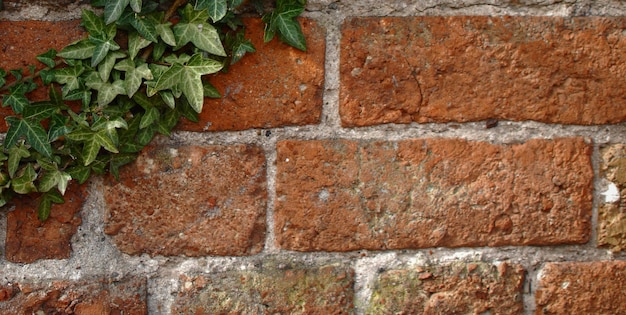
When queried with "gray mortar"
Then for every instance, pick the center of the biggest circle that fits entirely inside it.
(95, 255)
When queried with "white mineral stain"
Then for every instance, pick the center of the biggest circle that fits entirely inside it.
(611, 194)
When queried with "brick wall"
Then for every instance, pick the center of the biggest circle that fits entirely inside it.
(450, 157)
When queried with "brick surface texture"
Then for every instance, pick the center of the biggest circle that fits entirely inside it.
(323, 290)
(420, 157)
(339, 195)
(85, 297)
(202, 201)
(474, 288)
(582, 288)
(442, 69)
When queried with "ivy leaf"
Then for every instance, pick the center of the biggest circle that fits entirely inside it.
(94, 140)
(107, 91)
(210, 91)
(188, 79)
(104, 69)
(194, 28)
(82, 49)
(101, 49)
(93, 23)
(135, 44)
(39, 111)
(24, 183)
(58, 127)
(146, 26)
(135, 5)
(54, 178)
(151, 115)
(80, 173)
(113, 10)
(217, 8)
(69, 77)
(290, 32)
(119, 160)
(166, 33)
(240, 46)
(45, 205)
(34, 133)
(16, 99)
(16, 153)
(47, 58)
(134, 76)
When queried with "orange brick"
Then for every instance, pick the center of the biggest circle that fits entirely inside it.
(189, 200)
(342, 195)
(276, 86)
(460, 69)
(582, 288)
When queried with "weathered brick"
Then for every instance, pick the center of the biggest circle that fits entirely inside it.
(22, 41)
(289, 290)
(611, 210)
(28, 239)
(84, 297)
(276, 86)
(459, 288)
(342, 195)
(189, 200)
(582, 288)
(458, 68)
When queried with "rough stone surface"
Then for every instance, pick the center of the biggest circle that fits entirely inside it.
(582, 288)
(189, 200)
(28, 239)
(276, 290)
(276, 86)
(22, 41)
(444, 69)
(85, 297)
(612, 210)
(474, 288)
(341, 195)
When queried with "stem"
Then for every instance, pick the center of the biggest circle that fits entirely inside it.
(37, 74)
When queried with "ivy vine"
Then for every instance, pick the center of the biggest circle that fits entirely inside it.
(140, 69)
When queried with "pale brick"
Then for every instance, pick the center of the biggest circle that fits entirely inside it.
(611, 210)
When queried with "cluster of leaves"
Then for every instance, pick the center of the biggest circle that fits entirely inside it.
(139, 71)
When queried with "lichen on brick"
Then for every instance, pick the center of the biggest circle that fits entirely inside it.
(457, 288)
(612, 210)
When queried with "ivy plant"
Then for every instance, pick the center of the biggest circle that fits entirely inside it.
(141, 67)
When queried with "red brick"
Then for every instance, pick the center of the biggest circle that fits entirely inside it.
(22, 41)
(459, 288)
(84, 297)
(459, 69)
(189, 200)
(28, 239)
(290, 290)
(276, 86)
(582, 288)
(342, 195)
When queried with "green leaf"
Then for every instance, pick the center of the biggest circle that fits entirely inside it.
(240, 47)
(113, 10)
(136, 5)
(80, 173)
(149, 117)
(82, 49)
(69, 77)
(168, 122)
(144, 136)
(58, 127)
(93, 23)
(146, 26)
(39, 111)
(210, 91)
(24, 183)
(290, 31)
(168, 98)
(200, 33)
(16, 99)
(102, 49)
(47, 58)
(135, 44)
(16, 153)
(104, 69)
(34, 133)
(217, 8)
(166, 33)
(107, 91)
(54, 178)
(45, 205)
(134, 76)
(119, 160)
